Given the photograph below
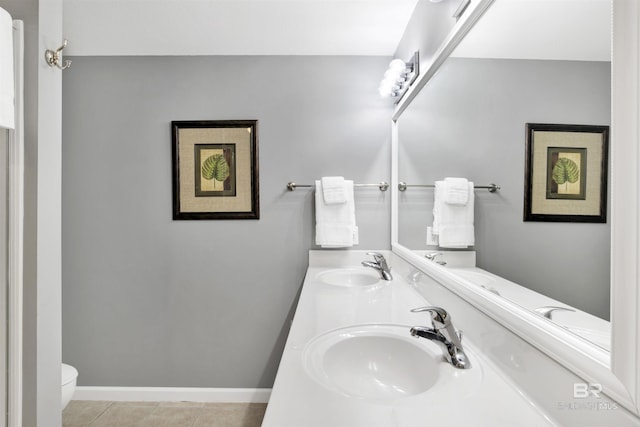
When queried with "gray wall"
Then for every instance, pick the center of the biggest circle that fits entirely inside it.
(148, 301)
(470, 121)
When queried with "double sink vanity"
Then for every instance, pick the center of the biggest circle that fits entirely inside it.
(351, 358)
(360, 354)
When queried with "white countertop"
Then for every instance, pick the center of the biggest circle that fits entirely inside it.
(297, 400)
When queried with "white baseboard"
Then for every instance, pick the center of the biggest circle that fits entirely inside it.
(173, 394)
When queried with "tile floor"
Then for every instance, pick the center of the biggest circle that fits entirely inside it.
(85, 413)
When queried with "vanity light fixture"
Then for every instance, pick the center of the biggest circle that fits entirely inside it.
(399, 76)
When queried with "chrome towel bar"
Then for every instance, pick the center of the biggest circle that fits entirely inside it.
(402, 186)
(382, 185)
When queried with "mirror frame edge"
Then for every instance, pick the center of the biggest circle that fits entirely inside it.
(620, 378)
(625, 212)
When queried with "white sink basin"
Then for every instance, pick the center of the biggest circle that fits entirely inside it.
(350, 277)
(381, 363)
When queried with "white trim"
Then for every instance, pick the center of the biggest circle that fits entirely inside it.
(172, 394)
(625, 197)
(15, 236)
(395, 179)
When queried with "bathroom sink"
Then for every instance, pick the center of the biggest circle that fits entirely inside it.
(350, 277)
(381, 363)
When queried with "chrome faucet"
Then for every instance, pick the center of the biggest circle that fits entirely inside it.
(444, 334)
(431, 256)
(548, 309)
(380, 264)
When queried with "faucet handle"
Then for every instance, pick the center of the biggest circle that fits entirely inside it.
(431, 256)
(548, 309)
(439, 316)
(377, 256)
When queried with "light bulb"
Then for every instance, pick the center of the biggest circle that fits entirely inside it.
(398, 66)
(388, 88)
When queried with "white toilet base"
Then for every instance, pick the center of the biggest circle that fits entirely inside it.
(69, 380)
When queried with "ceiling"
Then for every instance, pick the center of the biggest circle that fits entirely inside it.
(531, 29)
(578, 30)
(235, 27)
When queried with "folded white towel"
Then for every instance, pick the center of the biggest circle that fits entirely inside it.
(453, 223)
(333, 190)
(456, 191)
(336, 223)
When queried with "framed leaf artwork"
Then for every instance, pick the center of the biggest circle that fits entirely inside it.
(566, 173)
(215, 169)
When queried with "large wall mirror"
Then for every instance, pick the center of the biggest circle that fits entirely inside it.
(523, 61)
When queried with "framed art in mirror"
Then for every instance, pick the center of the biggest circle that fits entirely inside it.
(566, 173)
(215, 169)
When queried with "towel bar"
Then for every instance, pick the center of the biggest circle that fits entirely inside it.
(382, 185)
(402, 186)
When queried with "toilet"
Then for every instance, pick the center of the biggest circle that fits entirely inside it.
(69, 378)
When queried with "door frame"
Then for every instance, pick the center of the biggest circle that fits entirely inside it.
(16, 237)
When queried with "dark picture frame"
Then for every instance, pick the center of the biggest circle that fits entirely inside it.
(215, 169)
(566, 173)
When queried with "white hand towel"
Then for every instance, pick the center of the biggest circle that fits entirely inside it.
(456, 191)
(336, 223)
(453, 223)
(333, 190)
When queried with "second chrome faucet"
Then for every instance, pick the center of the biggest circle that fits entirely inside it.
(379, 264)
(431, 256)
